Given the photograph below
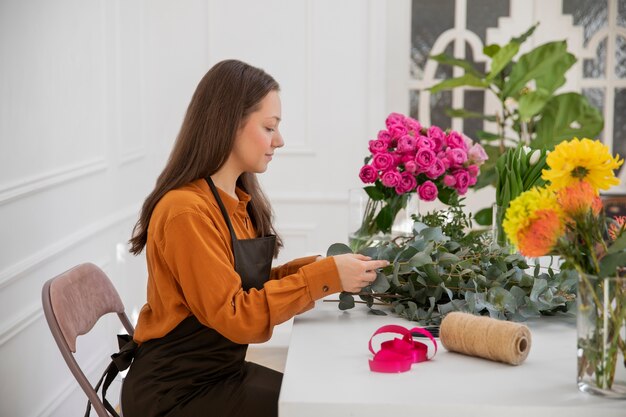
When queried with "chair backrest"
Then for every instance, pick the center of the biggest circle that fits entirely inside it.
(72, 303)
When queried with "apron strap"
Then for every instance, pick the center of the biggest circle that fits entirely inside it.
(120, 361)
(216, 194)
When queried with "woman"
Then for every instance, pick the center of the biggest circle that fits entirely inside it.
(209, 241)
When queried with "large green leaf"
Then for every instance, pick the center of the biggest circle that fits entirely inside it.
(467, 79)
(502, 58)
(546, 64)
(466, 114)
(374, 193)
(484, 217)
(564, 117)
(610, 263)
(531, 103)
(446, 59)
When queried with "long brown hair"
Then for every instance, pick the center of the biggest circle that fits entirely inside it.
(229, 92)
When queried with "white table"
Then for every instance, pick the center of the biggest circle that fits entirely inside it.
(327, 374)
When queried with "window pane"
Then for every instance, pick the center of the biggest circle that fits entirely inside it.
(469, 55)
(414, 100)
(620, 57)
(590, 14)
(474, 101)
(439, 103)
(619, 124)
(483, 14)
(595, 68)
(445, 71)
(429, 19)
(596, 98)
(621, 13)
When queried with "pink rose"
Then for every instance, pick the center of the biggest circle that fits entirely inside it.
(444, 158)
(413, 125)
(410, 166)
(384, 136)
(424, 142)
(436, 170)
(407, 157)
(428, 191)
(468, 142)
(425, 158)
(397, 159)
(473, 170)
(462, 181)
(435, 132)
(378, 146)
(455, 140)
(391, 178)
(382, 161)
(407, 183)
(449, 181)
(394, 119)
(456, 156)
(368, 174)
(477, 155)
(406, 144)
(397, 131)
(472, 181)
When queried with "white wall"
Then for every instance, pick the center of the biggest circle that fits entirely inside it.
(92, 94)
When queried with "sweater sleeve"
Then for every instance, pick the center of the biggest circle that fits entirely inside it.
(201, 261)
(291, 267)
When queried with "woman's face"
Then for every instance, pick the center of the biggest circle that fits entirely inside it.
(257, 139)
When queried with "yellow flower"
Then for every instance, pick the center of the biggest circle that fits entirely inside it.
(578, 160)
(526, 208)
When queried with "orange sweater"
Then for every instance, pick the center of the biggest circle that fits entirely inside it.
(191, 271)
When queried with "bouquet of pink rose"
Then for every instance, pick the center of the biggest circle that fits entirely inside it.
(409, 158)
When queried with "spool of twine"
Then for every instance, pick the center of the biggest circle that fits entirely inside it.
(485, 337)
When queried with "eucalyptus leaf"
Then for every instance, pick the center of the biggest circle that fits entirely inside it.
(338, 249)
(420, 259)
(346, 301)
(381, 284)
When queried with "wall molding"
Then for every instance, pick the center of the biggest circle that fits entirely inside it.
(133, 155)
(53, 178)
(32, 314)
(26, 265)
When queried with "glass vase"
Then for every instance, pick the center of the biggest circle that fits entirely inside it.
(601, 325)
(363, 213)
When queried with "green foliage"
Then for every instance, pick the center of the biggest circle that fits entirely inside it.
(519, 169)
(441, 268)
(525, 88)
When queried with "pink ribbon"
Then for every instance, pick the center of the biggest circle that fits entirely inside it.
(398, 354)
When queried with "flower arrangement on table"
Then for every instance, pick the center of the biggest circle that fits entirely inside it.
(565, 218)
(408, 158)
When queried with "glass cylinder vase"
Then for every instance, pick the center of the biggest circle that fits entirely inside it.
(601, 325)
(364, 227)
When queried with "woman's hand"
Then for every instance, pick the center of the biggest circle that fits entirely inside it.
(357, 271)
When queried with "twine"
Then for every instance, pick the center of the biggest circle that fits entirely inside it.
(488, 338)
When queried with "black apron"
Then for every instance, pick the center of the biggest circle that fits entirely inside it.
(195, 371)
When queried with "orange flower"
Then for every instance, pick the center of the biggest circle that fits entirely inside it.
(541, 235)
(616, 229)
(578, 198)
